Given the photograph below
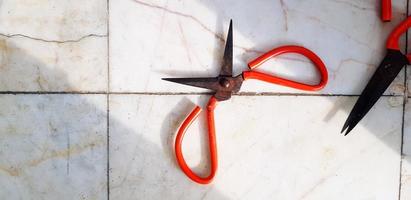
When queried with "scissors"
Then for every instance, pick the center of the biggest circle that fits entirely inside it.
(225, 84)
(389, 68)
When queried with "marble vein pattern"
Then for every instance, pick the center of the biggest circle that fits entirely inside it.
(53, 147)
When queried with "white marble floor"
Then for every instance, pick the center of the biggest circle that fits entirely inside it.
(84, 113)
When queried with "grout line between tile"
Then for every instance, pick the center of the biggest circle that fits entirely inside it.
(108, 145)
(181, 93)
(51, 92)
(108, 99)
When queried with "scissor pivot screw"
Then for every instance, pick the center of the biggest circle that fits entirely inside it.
(224, 82)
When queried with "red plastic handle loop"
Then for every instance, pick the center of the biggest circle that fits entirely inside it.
(211, 138)
(281, 81)
(386, 10)
(393, 39)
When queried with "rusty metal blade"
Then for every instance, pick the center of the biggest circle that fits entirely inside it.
(227, 67)
(207, 83)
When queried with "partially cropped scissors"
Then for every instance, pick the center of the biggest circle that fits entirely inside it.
(386, 10)
(225, 84)
(389, 68)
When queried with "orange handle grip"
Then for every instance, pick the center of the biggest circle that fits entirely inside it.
(318, 63)
(393, 39)
(211, 138)
(386, 10)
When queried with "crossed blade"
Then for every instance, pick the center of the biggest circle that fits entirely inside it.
(226, 74)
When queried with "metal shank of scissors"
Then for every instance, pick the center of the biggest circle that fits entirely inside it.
(386, 72)
(225, 84)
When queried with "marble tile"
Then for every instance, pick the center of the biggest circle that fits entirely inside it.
(406, 160)
(31, 65)
(154, 39)
(270, 147)
(406, 177)
(53, 46)
(53, 147)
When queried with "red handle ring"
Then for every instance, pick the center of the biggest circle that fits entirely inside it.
(318, 63)
(393, 39)
(211, 138)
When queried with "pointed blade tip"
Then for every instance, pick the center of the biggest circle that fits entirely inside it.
(347, 126)
(173, 80)
(346, 133)
(347, 129)
(227, 65)
(166, 79)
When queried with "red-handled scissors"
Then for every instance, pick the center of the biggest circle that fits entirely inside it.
(389, 68)
(225, 85)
